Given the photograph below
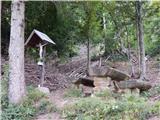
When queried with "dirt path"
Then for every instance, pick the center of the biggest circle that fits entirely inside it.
(57, 98)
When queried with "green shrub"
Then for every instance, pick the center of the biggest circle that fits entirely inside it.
(34, 94)
(127, 107)
(45, 106)
(155, 109)
(18, 112)
(35, 103)
(4, 85)
(152, 92)
(73, 92)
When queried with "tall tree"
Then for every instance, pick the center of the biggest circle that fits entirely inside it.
(16, 53)
(140, 39)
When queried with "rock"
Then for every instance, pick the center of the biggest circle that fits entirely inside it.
(135, 91)
(44, 90)
(106, 71)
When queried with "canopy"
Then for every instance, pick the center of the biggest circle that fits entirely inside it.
(37, 37)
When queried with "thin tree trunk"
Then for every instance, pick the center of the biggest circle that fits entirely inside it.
(141, 40)
(138, 50)
(0, 43)
(88, 55)
(16, 54)
(104, 29)
(129, 54)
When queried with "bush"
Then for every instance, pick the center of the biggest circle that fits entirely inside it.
(35, 103)
(4, 85)
(28, 109)
(18, 112)
(73, 92)
(127, 107)
(152, 92)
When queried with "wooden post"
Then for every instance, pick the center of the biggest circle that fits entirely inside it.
(43, 67)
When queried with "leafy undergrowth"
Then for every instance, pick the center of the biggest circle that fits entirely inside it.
(152, 92)
(73, 92)
(111, 106)
(34, 104)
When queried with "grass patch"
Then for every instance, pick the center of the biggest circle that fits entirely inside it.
(35, 102)
(152, 92)
(73, 92)
(126, 107)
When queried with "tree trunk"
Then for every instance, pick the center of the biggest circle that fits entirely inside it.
(16, 54)
(88, 55)
(138, 50)
(129, 54)
(132, 84)
(0, 42)
(141, 40)
(104, 28)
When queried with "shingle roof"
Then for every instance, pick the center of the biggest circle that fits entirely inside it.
(41, 35)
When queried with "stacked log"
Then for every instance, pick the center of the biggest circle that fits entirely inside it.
(101, 77)
(106, 71)
(133, 84)
(101, 83)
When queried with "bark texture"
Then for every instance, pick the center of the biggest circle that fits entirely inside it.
(132, 84)
(106, 71)
(88, 55)
(141, 39)
(16, 53)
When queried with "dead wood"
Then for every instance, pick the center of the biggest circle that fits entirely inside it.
(132, 84)
(106, 71)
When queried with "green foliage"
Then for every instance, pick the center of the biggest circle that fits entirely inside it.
(152, 92)
(34, 94)
(35, 103)
(46, 106)
(118, 57)
(73, 92)
(98, 108)
(4, 85)
(20, 112)
(70, 23)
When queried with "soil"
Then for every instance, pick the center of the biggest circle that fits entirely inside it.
(60, 76)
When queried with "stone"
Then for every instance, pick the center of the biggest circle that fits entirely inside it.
(44, 90)
(135, 91)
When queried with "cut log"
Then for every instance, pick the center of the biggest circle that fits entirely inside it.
(132, 84)
(106, 71)
(102, 81)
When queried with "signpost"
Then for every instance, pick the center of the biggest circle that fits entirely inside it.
(40, 40)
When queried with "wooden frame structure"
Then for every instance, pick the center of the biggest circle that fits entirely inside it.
(39, 39)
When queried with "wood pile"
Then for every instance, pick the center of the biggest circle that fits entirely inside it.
(106, 71)
(105, 77)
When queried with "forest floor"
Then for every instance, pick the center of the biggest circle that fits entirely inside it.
(57, 96)
(64, 75)
(59, 78)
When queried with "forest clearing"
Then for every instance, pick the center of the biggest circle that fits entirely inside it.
(80, 60)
